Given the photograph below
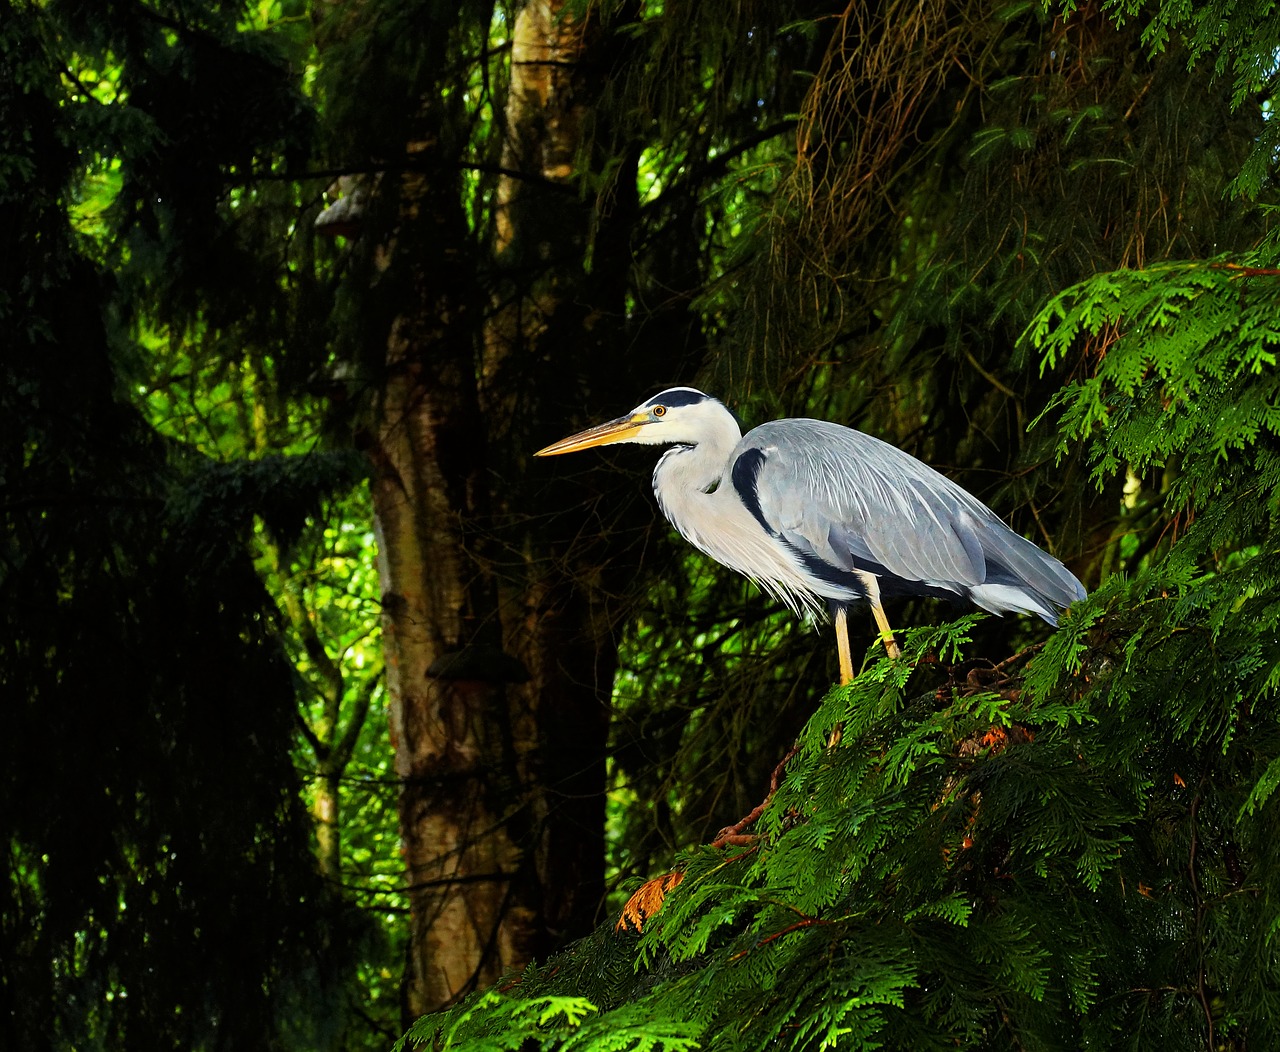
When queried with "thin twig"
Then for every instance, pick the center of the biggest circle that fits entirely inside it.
(733, 836)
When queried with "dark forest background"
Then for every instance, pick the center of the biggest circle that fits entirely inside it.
(324, 706)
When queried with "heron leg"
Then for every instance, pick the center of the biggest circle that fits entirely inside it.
(886, 633)
(872, 586)
(842, 644)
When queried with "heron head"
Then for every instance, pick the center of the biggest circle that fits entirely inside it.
(676, 415)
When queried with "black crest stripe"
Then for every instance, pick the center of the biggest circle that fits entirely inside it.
(678, 396)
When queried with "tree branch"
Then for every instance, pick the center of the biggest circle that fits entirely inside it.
(340, 754)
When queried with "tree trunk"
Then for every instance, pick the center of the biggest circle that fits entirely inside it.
(502, 800)
(449, 735)
(326, 810)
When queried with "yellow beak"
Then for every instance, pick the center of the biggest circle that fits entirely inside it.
(619, 430)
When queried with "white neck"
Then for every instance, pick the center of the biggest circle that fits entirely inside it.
(689, 471)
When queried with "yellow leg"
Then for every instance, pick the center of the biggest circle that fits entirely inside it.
(872, 585)
(886, 633)
(842, 646)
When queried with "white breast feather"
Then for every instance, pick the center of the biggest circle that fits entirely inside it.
(718, 524)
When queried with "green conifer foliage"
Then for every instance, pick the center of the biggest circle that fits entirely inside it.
(1072, 851)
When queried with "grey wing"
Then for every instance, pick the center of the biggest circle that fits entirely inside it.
(858, 503)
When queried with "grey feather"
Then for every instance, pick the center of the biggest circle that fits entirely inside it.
(848, 497)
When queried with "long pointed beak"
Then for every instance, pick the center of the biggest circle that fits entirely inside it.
(619, 430)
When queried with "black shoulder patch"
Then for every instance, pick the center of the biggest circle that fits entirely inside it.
(746, 475)
(677, 396)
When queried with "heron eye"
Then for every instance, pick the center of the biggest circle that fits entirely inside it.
(659, 410)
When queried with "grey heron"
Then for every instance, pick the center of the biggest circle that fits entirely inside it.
(818, 514)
